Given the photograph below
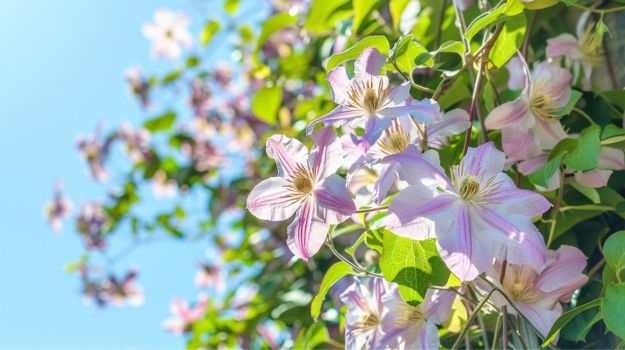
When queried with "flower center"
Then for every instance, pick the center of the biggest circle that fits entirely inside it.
(394, 142)
(302, 180)
(519, 283)
(543, 107)
(368, 96)
(590, 47)
(469, 187)
(369, 321)
(408, 315)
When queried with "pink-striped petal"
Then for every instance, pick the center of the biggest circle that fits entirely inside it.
(485, 160)
(451, 123)
(516, 201)
(457, 248)
(518, 74)
(368, 64)
(338, 116)
(306, 234)
(334, 202)
(542, 319)
(437, 305)
(611, 159)
(415, 168)
(513, 115)
(593, 178)
(287, 152)
(385, 182)
(339, 84)
(569, 264)
(272, 200)
(564, 45)
(327, 153)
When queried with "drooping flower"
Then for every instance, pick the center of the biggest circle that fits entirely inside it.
(307, 186)
(366, 101)
(529, 124)
(365, 313)
(426, 127)
(414, 327)
(139, 86)
(201, 98)
(537, 291)
(581, 52)
(477, 214)
(58, 209)
(127, 290)
(211, 276)
(169, 32)
(183, 315)
(136, 142)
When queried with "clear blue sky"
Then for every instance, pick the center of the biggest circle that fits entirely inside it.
(61, 71)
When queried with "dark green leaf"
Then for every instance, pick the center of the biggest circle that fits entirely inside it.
(566, 317)
(586, 155)
(614, 250)
(613, 308)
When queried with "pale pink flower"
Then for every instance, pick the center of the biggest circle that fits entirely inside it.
(580, 52)
(58, 209)
(169, 32)
(378, 318)
(162, 187)
(91, 223)
(139, 86)
(529, 124)
(94, 151)
(183, 315)
(211, 276)
(118, 293)
(136, 142)
(537, 291)
(476, 215)
(201, 98)
(366, 101)
(307, 186)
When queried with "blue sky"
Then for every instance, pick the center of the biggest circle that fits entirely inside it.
(61, 71)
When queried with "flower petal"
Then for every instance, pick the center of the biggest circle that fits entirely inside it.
(485, 160)
(542, 319)
(272, 200)
(327, 153)
(306, 233)
(384, 183)
(451, 123)
(334, 202)
(437, 305)
(611, 159)
(287, 152)
(564, 45)
(457, 249)
(338, 116)
(593, 178)
(369, 63)
(516, 201)
(513, 115)
(568, 266)
(374, 127)
(417, 169)
(339, 84)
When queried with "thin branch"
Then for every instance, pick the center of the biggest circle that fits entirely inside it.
(528, 35)
(504, 328)
(409, 78)
(471, 318)
(599, 11)
(556, 210)
(608, 63)
(368, 210)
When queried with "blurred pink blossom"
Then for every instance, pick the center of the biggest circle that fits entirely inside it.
(169, 32)
(183, 315)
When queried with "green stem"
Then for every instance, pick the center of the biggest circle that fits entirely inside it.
(471, 318)
(556, 210)
(584, 114)
(587, 207)
(599, 11)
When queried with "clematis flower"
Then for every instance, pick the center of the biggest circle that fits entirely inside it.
(366, 101)
(529, 124)
(579, 52)
(139, 86)
(537, 291)
(201, 98)
(162, 187)
(378, 318)
(306, 187)
(135, 141)
(183, 315)
(169, 32)
(211, 276)
(91, 223)
(119, 292)
(426, 127)
(476, 215)
(58, 209)
(94, 151)
(365, 313)
(414, 327)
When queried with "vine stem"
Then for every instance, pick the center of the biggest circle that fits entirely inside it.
(608, 63)
(528, 35)
(409, 78)
(599, 11)
(556, 210)
(471, 318)
(368, 210)
(355, 266)
(584, 114)
(595, 268)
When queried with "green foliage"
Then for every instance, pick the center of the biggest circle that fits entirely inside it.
(163, 122)
(585, 156)
(509, 41)
(614, 251)
(613, 308)
(334, 274)
(413, 265)
(272, 25)
(566, 318)
(504, 8)
(406, 51)
(378, 41)
(266, 103)
(323, 15)
(543, 175)
(210, 29)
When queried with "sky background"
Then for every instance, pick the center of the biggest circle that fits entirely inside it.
(61, 72)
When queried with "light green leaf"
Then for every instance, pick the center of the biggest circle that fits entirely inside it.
(613, 308)
(362, 9)
(163, 122)
(311, 337)
(509, 41)
(504, 8)
(396, 8)
(566, 110)
(614, 251)
(413, 265)
(323, 14)
(588, 192)
(231, 6)
(209, 30)
(272, 25)
(373, 239)
(266, 103)
(334, 273)
(543, 175)
(451, 47)
(378, 41)
(565, 318)
(406, 50)
(586, 155)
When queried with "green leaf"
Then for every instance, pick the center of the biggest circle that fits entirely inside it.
(565, 318)
(613, 308)
(406, 50)
(209, 31)
(543, 175)
(509, 41)
(323, 14)
(362, 9)
(588, 192)
(614, 251)
(373, 239)
(309, 338)
(274, 24)
(163, 122)
(612, 134)
(378, 41)
(504, 8)
(566, 110)
(352, 250)
(231, 6)
(266, 103)
(396, 8)
(334, 273)
(586, 155)
(413, 265)
(451, 47)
